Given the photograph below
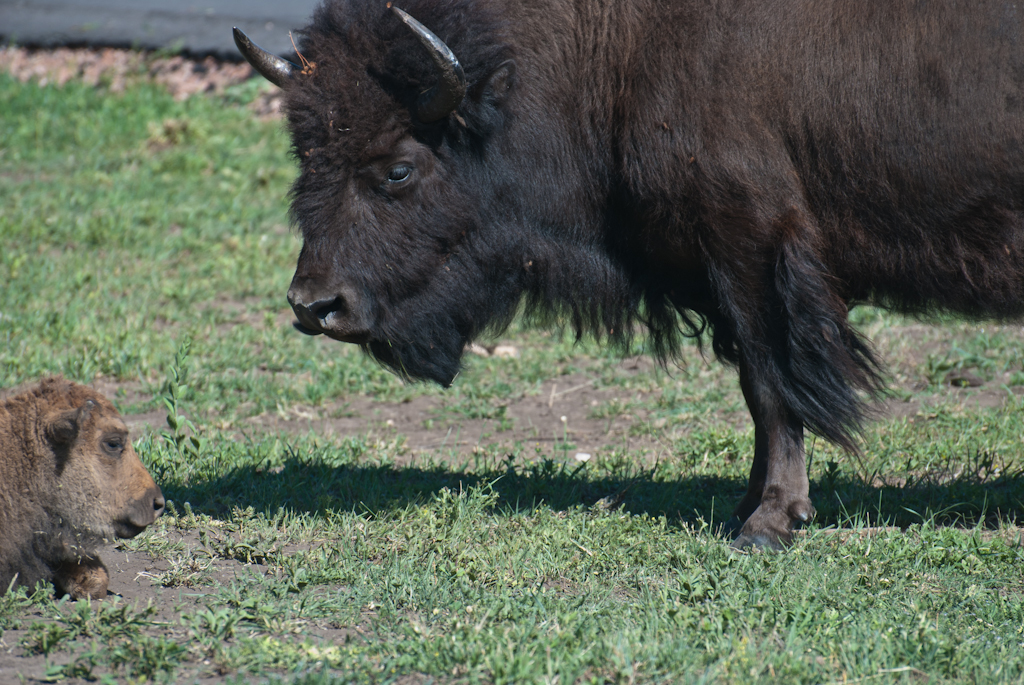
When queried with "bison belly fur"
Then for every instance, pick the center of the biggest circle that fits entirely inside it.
(70, 481)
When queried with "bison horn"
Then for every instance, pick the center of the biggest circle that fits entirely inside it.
(277, 70)
(443, 98)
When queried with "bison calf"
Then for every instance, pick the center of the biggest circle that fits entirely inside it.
(69, 482)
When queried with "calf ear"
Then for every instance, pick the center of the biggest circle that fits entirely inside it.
(493, 90)
(62, 428)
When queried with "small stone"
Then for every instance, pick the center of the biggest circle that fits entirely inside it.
(478, 350)
(963, 379)
(506, 352)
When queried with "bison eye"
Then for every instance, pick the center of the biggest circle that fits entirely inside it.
(399, 173)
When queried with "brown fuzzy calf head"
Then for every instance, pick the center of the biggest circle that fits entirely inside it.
(102, 490)
(69, 482)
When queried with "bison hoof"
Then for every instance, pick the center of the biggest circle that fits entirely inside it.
(757, 542)
(771, 525)
(731, 528)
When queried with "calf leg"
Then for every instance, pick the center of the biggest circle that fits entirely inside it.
(82, 577)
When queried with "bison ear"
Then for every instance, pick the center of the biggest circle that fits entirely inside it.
(63, 428)
(493, 90)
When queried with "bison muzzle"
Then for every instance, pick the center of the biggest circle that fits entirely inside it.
(742, 172)
(70, 481)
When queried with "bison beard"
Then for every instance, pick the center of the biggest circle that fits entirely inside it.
(746, 170)
(424, 338)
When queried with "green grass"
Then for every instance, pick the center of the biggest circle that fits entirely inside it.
(130, 223)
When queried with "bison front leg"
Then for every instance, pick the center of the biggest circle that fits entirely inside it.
(784, 322)
(777, 494)
(759, 469)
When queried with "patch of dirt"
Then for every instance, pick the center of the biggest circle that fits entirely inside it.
(563, 409)
(125, 393)
(990, 395)
(134, 579)
(908, 348)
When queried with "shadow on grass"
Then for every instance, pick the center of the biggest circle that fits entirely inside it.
(299, 485)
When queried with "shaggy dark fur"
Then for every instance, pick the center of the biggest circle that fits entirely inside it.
(745, 168)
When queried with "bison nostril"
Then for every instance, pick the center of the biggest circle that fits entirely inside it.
(314, 314)
(325, 308)
(339, 315)
(158, 504)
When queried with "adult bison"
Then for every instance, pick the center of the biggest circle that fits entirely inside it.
(744, 169)
(69, 482)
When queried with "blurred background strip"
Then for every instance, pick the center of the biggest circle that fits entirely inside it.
(191, 28)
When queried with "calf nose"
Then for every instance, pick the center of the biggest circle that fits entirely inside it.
(158, 504)
(142, 512)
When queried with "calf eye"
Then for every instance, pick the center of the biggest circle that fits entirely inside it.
(399, 173)
(113, 446)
